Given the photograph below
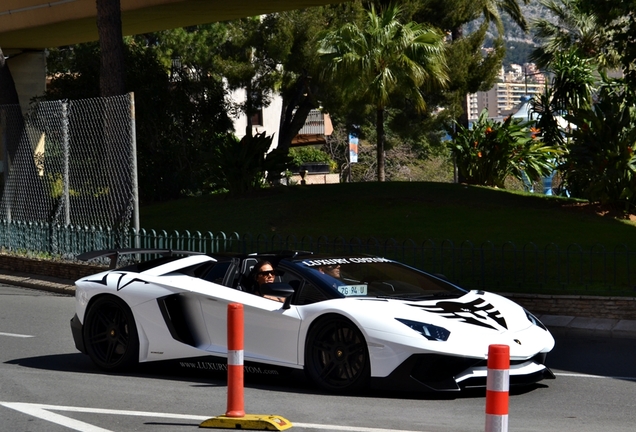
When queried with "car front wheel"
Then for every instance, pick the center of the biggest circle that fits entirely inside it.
(110, 334)
(336, 355)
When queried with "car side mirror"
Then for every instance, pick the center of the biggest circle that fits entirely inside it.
(279, 289)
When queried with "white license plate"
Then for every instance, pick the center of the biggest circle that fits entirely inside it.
(353, 290)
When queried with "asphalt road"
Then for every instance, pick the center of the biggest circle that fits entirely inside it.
(46, 385)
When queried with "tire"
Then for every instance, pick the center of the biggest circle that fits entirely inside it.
(110, 334)
(336, 355)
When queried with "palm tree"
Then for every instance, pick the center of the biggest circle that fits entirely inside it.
(382, 58)
(491, 13)
(574, 29)
(464, 11)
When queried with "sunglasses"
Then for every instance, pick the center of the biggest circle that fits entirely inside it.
(267, 273)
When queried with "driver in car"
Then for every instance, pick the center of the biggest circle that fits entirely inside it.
(263, 273)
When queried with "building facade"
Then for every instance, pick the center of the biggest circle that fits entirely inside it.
(506, 95)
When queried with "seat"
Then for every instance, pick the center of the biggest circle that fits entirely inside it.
(245, 284)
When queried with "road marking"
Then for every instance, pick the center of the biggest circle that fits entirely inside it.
(15, 335)
(575, 375)
(42, 411)
(347, 428)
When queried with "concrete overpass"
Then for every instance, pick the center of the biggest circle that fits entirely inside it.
(27, 27)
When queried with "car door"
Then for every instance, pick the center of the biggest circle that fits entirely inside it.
(270, 332)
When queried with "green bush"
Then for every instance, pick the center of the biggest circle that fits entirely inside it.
(492, 151)
(601, 164)
(305, 154)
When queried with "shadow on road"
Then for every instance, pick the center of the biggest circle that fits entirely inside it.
(593, 354)
(290, 381)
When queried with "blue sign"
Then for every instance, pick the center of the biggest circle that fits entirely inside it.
(353, 148)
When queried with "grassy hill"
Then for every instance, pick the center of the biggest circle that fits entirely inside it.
(413, 210)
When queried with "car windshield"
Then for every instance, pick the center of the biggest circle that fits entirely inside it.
(379, 277)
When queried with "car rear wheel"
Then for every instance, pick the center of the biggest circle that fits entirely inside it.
(110, 334)
(336, 355)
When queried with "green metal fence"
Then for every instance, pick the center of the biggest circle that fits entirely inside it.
(507, 267)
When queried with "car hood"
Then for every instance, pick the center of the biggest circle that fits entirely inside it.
(478, 310)
(473, 322)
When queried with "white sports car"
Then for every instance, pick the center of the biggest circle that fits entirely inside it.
(376, 321)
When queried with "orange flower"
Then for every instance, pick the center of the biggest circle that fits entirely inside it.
(488, 130)
(534, 132)
(479, 154)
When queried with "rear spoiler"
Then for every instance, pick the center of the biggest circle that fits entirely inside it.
(114, 254)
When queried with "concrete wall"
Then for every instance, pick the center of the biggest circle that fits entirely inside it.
(50, 268)
(578, 306)
(316, 178)
(29, 74)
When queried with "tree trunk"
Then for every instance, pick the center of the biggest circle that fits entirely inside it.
(249, 110)
(292, 122)
(379, 127)
(111, 45)
(458, 33)
(112, 82)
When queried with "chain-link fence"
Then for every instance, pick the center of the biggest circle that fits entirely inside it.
(70, 163)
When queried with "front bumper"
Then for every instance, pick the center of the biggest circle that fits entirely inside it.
(434, 372)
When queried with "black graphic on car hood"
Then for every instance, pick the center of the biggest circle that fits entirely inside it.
(477, 312)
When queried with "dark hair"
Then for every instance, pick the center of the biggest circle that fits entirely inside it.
(258, 266)
(254, 273)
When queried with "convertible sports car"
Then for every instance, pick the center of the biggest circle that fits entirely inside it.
(347, 320)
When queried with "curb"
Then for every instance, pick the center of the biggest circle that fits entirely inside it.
(44, 283)
(619, 328)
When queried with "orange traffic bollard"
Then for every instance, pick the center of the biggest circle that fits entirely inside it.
(497, 387)
(235, 417)
(235, 331)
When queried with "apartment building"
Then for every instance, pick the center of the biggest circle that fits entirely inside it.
(506, 95)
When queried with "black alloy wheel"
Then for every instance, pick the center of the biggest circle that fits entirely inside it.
(336, 355)
(110, 334)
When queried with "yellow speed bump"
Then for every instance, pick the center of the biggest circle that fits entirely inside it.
(248, 421)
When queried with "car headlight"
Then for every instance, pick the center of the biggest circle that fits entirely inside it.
(429, 331)
(534, 320)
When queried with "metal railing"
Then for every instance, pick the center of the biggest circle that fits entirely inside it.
(550, 269)
(314, 125)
